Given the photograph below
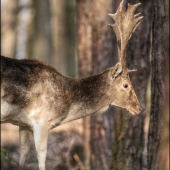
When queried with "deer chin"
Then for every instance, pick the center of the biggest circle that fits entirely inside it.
(133, 111)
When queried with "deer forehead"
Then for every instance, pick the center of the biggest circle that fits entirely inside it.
(125, 80)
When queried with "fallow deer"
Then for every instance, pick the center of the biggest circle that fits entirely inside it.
(37, 98)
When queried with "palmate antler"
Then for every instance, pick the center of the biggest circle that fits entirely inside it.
(125, 25)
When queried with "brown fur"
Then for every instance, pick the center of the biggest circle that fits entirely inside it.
(26, 82)
(37, 98)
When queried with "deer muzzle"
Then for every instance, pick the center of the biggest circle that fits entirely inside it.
(135, 110)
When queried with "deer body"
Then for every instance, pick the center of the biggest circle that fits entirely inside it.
(49, 95)
(37, 98)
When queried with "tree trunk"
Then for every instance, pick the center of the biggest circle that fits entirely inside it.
(163, 155)
(70, 36)
(58, 35)
(130, 133)
(63, 36)
(9, 23)
(39, 42)
(95, 54)
(84, 53)
(159, 15)
(101, 138)
(24, 17)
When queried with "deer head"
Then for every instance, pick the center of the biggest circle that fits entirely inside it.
(125, 25)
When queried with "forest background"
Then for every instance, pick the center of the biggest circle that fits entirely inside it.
(73, 36)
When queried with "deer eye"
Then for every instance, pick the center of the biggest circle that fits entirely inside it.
(125, 86)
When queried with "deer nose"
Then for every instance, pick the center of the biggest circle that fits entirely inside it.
(140, 109)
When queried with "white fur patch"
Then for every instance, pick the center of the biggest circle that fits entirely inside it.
(37, 132)
(13, 114)
(8, 110)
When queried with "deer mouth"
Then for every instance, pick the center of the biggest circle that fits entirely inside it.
(133, 111)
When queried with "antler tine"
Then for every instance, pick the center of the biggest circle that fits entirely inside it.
(134, 30)
(125, 25)
(136, 15)
(129, 71)
(132, 8)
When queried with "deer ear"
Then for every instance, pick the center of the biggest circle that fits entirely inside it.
(117, 69)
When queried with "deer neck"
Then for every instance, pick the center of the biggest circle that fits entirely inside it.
(92, 95)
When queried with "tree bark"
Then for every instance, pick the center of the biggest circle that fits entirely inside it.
(9, 24)
(84, 53)
(101, 138)
(117, 140)
(163, 154)
(159, 26)
(39, 42)
(70, 36)
(84, 35)
(130, 133)
(63, 30)
(58, 35)
(95, 54)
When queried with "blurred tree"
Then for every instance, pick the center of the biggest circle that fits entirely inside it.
(9, 21)
(39, 42)
(84, 54)
(101, 138)
(129, 136)
(70, 36)
(158, 62)
(24, 16)
(58, 35)
(92, 27)
(51, 34)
